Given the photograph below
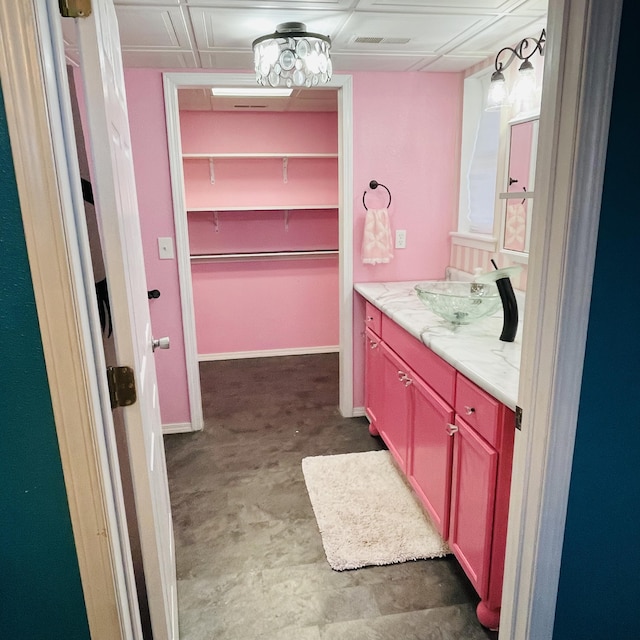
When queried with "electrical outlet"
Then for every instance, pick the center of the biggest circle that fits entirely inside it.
(401, 238)
(165, 249)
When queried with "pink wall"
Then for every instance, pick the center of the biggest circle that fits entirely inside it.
(406, 129)
(406, 135)
(151, 163)
(266, 305)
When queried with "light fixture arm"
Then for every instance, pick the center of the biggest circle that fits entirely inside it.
(519, 51)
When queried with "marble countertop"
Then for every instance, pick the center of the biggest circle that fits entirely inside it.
(475, 350)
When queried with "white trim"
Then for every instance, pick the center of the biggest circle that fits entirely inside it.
(358, 412)
(578, 84)
(176, 427)
(474, 241)
(345, 168)
(182, 248)
(267, 353)
(172, 81)
(515, 256)
(32, 79)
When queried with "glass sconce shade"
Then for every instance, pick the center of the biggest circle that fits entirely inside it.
(524, 89)
(292, 57)
(497, 92)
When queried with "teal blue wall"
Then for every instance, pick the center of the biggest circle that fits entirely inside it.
(40, 591)
(599, 591)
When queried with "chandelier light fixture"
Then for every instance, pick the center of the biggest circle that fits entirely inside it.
(525, 87)
(292, 57)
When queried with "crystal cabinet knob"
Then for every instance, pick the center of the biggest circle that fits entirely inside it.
(160, 343)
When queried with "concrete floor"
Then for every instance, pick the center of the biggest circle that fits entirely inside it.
(249, 555)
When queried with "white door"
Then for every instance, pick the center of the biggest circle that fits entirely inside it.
(116, 204)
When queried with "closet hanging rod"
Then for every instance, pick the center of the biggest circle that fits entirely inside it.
(374, 184)
(261, 255)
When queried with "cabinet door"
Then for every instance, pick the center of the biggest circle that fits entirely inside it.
(431, 454)
(396, 411)
(475, 465)
(373, 378)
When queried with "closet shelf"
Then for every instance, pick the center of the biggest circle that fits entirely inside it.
(295, 207)
(264, 255)
(231, 156)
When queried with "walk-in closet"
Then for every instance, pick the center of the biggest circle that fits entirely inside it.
(261, 195)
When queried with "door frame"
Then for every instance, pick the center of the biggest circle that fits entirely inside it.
(577, 92)
(48, 180)
(343, 83)
(581, 52)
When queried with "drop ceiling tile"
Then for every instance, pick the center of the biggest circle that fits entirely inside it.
(286, 5)
(227, 60)
(492, 38)
(451, 63)
(426, 33)
(150, 27)
(429, 6)
(159, 59)
(238, 28)
(347, 63)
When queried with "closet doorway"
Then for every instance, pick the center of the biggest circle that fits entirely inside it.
(185, 164)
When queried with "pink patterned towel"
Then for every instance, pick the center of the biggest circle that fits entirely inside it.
(377, 246)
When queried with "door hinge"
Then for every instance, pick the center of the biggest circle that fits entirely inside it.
(519, 418)
(75, 8)
(122, 386)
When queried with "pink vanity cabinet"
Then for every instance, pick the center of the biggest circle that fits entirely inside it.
(373, 384)
(481, 480)
(454, 443)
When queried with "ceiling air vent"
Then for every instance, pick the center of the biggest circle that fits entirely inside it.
(379, 40)
(367, 40)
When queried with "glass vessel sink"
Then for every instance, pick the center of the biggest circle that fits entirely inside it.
(459, 302)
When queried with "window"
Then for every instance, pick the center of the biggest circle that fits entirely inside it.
(479, 158)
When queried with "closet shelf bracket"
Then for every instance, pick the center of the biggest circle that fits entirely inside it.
(212, 174)
(216, 222)
(285, 170)
(286, 219)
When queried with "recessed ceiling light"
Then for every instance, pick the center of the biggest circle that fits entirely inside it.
(250, 91)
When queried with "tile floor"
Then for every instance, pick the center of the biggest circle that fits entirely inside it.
(250, 560)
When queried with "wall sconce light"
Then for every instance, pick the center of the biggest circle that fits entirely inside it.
(525, 86)
(292, 57)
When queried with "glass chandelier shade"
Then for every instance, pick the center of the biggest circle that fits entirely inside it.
(292, 57)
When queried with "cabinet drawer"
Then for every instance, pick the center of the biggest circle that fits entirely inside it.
(480, 410)
(437, 373)
(373, 318)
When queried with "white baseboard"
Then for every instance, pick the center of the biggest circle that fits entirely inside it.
(358, 412)
(267, 353)
(177, 427)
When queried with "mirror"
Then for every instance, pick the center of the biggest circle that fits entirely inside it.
(519, 185)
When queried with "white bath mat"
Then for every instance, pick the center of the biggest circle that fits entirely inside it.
(366, 513)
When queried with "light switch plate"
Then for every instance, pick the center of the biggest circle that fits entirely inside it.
(165, 249)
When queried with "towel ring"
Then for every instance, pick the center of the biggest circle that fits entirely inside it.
(374, 184)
